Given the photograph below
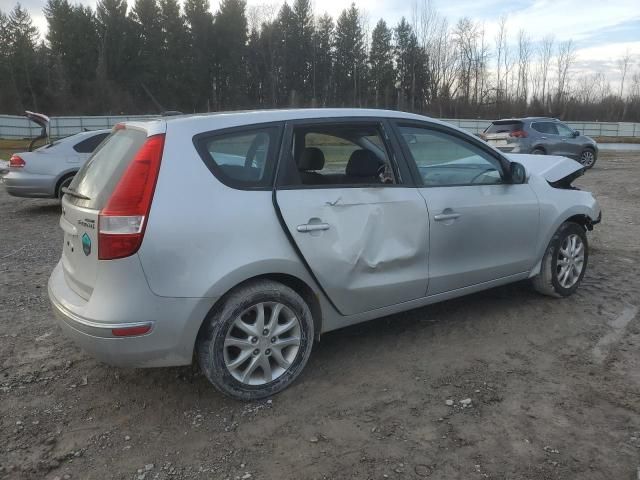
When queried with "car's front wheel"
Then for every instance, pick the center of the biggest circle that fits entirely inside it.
(564, 262)
(257, 342)
(588, 158)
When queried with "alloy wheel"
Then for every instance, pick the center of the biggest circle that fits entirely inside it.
(587, 158)
(570, 261)
(262, 343)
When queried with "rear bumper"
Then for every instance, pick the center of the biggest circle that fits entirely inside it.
(30, 185)
(89, 323)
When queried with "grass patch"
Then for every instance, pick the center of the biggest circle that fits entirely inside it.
(10, 146)
(617, 139)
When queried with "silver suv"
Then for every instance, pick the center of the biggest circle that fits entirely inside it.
(541, 136)
(237, 239)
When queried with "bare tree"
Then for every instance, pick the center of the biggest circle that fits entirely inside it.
(545, 54)
(623, 66)
(524, 60)
(500, 44)
(564, 61)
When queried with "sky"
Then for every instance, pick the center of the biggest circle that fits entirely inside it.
(603, 31)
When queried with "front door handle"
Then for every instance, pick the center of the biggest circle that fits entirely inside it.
(446, 216)
(312, 227)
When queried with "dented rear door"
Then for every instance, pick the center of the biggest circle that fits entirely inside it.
(367, 247)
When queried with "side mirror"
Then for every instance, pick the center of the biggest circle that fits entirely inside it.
(518, 173)
(576, 133)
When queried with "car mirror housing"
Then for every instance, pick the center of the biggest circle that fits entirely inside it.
(518, 173)
(576, 133)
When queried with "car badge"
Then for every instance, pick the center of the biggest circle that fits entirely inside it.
(86, 244)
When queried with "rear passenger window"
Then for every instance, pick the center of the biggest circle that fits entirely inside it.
(545, 127)
(243, 159)
(344, 155)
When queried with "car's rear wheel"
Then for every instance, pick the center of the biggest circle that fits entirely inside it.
(564, 262)
(63, 183)
(257, 342)
(588, 158)
(538, 151)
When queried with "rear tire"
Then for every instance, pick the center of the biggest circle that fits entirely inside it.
(257, 342)
(62, 183)
(538, 151)
(564, 262)
(588, 158)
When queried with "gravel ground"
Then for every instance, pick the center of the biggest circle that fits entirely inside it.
(502, 384)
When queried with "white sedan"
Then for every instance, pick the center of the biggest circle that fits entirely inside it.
(44, 172)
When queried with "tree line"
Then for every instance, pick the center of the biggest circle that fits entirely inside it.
(158, 55)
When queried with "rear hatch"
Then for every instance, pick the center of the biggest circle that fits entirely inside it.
(87, 195)
(503, 132)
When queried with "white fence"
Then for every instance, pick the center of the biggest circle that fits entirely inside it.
(19, 127)
(592, 129)
(12, 126)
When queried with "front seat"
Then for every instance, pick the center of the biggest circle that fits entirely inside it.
(363, 167)
(311, 160)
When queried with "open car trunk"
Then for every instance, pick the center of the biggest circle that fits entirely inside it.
(43, 121)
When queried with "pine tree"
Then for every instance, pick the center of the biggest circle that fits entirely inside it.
(231, 41)
(201, 55)
(324, 59)
(382, 72)
(23, 36)
(173, 54)
(350, 64)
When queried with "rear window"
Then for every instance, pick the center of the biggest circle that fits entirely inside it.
(504, 127)
(99, 176)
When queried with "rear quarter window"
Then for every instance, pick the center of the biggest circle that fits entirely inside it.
(90, 144)
(242, 158)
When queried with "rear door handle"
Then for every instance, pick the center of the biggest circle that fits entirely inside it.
(446, 216)
(312, 227)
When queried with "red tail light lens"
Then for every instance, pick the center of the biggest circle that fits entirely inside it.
(123, 220)
(518, 134)
(16, 162)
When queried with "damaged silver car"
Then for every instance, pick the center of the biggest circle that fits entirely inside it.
(236, 239)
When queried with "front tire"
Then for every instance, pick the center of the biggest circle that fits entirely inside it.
(258, 342)
(588, 158)
(564, 262)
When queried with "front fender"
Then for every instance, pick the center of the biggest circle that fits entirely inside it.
(556, 207)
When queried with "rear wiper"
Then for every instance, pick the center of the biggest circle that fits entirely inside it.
(68, 191)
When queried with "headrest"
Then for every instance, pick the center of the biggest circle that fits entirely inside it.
(312, 159)
(363, 163)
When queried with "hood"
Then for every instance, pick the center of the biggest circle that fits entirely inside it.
(552, 168)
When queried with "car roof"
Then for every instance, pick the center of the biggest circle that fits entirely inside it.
(527, 119)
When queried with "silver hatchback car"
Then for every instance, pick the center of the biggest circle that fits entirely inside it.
(238, 238)
(541, 136)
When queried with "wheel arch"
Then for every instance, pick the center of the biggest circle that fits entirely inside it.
(298, 285)
(61, 179)
(539, 147)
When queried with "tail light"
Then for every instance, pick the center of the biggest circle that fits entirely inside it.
(123, 219)
(16, 162)
(518, 134)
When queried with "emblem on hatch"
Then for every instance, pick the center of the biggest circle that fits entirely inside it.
(86, 244)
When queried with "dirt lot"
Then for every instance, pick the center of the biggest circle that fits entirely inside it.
(554, 384)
